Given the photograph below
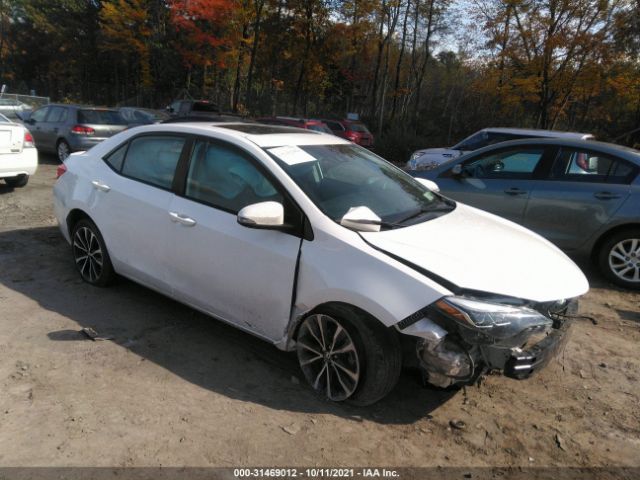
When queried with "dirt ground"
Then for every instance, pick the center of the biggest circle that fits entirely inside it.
(173, 387)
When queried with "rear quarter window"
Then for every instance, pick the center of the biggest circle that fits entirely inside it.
(100, 117)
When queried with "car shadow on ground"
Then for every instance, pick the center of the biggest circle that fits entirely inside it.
(209, 353)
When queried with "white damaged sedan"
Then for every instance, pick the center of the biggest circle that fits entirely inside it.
(319, 247)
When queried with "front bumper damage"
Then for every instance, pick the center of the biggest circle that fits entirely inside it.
(449, 354)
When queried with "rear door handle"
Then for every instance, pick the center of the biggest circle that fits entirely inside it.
(606, 195)
(100, 186)
(515, 191)
(182, 219)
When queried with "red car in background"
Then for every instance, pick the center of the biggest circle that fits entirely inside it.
(352, 130)
(309, 124)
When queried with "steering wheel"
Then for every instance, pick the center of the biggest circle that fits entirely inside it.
(381, 182)
(478, 171)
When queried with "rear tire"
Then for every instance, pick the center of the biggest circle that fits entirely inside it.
(619, 258)
(63, 150)
(90, 254)
(347, 355)
(17, 182)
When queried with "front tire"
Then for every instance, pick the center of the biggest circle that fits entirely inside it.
(619, 258)
(90, 254)
(17, 182)
(346, 355)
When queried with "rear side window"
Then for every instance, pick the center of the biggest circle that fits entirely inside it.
(100, 117)
(224, 177)
(115, 159)
(57, 115)
(153, 160)
(585, 166)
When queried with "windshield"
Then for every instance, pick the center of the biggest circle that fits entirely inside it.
(340, 177)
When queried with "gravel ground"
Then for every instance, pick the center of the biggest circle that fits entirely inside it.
(173, 387)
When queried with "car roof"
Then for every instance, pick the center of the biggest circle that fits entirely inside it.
(260, 134)
(80, 107)
(604, 147)
(538, 132)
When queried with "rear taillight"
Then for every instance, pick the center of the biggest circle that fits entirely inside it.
(28, 140)
(60, 170)
(82, 130)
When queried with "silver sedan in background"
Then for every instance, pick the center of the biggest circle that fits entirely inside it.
(584, 196)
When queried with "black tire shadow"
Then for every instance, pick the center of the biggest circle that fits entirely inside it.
(201, 350)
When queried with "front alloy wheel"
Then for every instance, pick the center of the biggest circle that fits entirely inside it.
(90, 254)
(328, 357)
(620, 259)
(348, 355)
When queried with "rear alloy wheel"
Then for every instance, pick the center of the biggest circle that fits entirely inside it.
(619, 258)
(90, 254)
(347, 355)
(63, 150)
(16, 182)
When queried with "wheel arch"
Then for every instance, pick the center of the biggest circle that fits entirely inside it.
(329, 307)
(595, 250)
(73, 217)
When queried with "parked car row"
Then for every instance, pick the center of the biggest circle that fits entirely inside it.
(581, 209)
(62, 129)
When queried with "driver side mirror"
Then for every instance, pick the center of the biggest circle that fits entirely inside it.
(433, 186)
(262, 215)
(456, 170)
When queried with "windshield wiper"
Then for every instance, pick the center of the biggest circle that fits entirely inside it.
(365, 221)
(445, 208)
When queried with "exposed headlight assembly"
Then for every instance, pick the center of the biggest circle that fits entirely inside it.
(487, 322)
(416, 154)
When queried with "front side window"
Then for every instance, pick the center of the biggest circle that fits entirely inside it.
(340, 177)
(512, 163)
(224, 177)
(153, 160)
(586, 166)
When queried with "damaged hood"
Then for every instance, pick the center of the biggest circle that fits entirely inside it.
(476, 250)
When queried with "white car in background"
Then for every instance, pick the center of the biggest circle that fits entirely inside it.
(18, 155)
(426, 159)
(318, 246)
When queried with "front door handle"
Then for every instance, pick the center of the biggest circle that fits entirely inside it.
(100, 186)
(515, 191)
(182, 219)
(606, 195)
